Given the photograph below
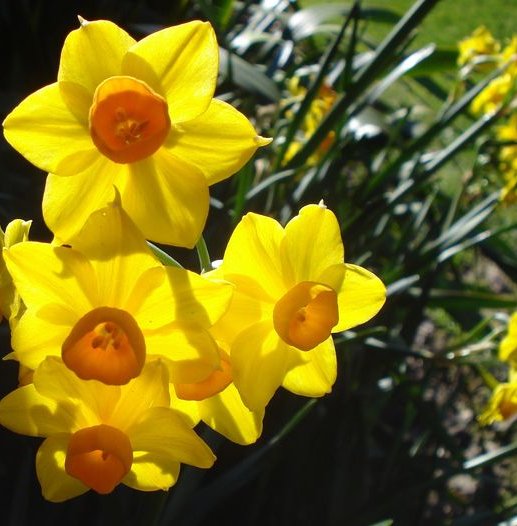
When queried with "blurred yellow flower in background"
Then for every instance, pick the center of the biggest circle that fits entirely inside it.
(139, 116)
(480, 43)
(507, 133)
(318, 109)
(508, 345)
(494, 95)
(502, 404)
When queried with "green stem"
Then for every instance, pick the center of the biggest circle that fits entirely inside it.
(203, 255)
(163, 257)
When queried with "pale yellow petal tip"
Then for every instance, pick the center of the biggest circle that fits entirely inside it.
(11, 356)
(17, 231)
(82, 21)
(262, 141)
(322, 204)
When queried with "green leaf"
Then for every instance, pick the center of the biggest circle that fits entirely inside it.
(468, 300)
(247, 76)
(313, 20)
(380, 60)
(443, 60)
(313, 90)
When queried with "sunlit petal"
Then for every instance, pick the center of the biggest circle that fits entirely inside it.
(149, 389)
(189, 350)
(117, 251)
(260, 361)
(150, 472)
(28, 412)
(69, 201)
(44, 130)
(252, 260)
(164, 433)
(317, 374)
(46, 274)
(35, 338)
(312, 243)
(101, 46)
(56, 484)
(219, 142)
(176, 193)
(227, 414)
(180, 63)
(360, 298)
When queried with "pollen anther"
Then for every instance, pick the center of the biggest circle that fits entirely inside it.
(128, 120)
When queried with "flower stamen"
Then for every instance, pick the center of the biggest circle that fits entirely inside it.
(106, 345)
(128, 120)
(99, 456)
(306, 314)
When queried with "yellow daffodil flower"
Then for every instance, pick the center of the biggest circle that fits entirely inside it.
(217, 402)
(11, 307)
(502, 404)
(292, 291)
(508, 57)
(106, 304)
(319, 108)
(98, 436)
(139, 116)
(480, 43)
(494, 95)
(508, 346)
(508, 159)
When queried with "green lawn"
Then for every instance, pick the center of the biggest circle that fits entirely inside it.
(451, 20)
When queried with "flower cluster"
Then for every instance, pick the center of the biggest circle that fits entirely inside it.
(482, 52)
(121, 355)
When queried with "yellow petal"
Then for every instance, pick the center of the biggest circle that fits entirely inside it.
(151, 472)
(69, 201)
(360, 298)
(181, 64)
(219, 142)
(117, 251)
(56, 484)
(149, 389)
(164, 434)
(44, 130)
(28, 412)
(163, 295)
(508, 345)
(35, 338)
(260, 361)
(227, 414)
(253, 261)
(243, 311)
(197, 298)
(176, 193)
(312, 243)
(189, 350)
(44, 274)
(317, 375)
(93, 53)
(189, 409)
(92, 401)
(16, 232)
(11, 306)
